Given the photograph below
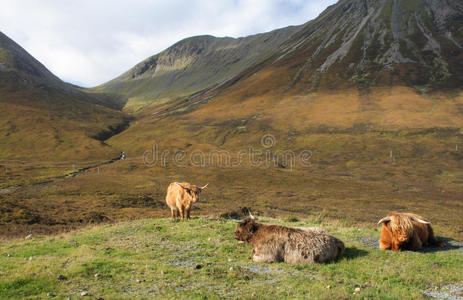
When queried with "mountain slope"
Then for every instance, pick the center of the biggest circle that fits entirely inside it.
(192, 65)
(375, 65)
(386, 42)
(43, 118)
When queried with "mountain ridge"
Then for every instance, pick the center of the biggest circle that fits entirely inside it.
(354, 43)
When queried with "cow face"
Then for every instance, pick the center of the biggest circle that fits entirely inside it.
(245, 229)
(402, 236)
(194, 192)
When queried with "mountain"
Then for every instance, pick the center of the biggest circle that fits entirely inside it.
(367, 43)
(355, 43)
(360, 66)
(42, 117)
(192, 65)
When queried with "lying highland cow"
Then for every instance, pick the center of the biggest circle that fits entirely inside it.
(273, 243)
(405, 231)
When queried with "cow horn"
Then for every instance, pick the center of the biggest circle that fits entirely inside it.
(252, 217)
(205, 186)
(385, 219)
(419, 220)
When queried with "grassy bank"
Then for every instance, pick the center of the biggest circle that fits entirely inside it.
(200, 259)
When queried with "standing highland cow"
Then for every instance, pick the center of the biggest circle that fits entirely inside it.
(273, 243)
(405, 231)
(180, 198)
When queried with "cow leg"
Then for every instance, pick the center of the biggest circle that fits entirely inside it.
(172, 213)
(258, 256)
(188, 212)
(416, 244)
(182, 212)
(433, 241)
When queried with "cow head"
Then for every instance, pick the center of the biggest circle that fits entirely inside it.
(245, 229)
(193, 191)
(401, 227)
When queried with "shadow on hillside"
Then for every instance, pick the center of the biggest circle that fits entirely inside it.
(352, 252)
(450, 244)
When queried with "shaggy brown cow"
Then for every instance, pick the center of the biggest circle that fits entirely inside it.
(405, 231)
(272, 243)
(180, 198)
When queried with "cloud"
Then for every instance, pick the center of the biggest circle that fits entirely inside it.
(90, 42)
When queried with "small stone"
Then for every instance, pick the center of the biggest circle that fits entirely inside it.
(436, 288)
(84, 293)
(8, 255)
(231, 269)
(96, 275)
(28, 237)
(138, 280)
(328, 287)
(209, 239)
(229, 260)
(62, 277)
(50, 294)
(30, 257)
(357, 289)
(162, 272)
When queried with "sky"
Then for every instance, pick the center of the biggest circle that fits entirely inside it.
(89, 42)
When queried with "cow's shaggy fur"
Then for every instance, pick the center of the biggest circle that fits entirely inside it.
(406, 231)
(273, 243)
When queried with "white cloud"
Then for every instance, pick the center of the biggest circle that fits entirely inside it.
(92, 41)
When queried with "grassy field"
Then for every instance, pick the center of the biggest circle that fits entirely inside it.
(199, 259)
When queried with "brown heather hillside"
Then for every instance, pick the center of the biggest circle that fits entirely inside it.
(370, 90)
(44, 121)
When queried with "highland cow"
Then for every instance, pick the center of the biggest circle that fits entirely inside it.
(180, 198)
(406, 231)
(273, 243)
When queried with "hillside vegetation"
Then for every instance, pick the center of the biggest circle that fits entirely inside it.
(200, 259)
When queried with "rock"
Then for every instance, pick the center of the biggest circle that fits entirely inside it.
(30, 257)
(8, 255)
(28, 237)
(96, 275)
(62, 277)
(50, 295)
(328, 287)
(357, 290)
(229, 260)
(84, 293)
(138, 280)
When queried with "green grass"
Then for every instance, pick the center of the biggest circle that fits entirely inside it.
(200, 259)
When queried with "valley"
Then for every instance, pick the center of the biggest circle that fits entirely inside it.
(369, 92)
